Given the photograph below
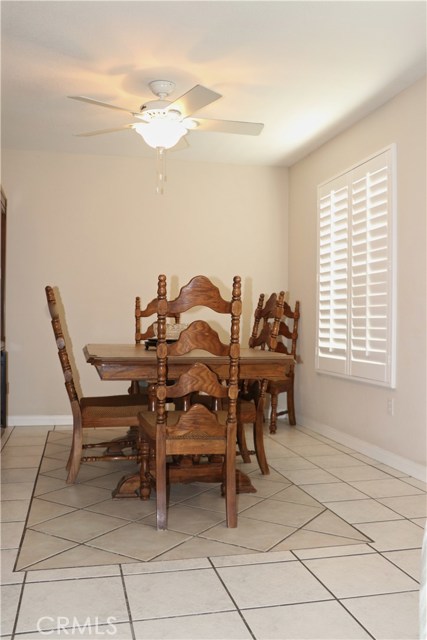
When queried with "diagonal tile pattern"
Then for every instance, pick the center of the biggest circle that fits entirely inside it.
(328, 547)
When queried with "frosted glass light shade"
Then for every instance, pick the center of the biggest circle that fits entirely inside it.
(161, 132)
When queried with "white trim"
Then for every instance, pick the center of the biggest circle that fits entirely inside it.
(39, 421)
(413, 469)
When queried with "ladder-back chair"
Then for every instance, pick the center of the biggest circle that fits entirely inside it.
(197, 430)
(92, 412)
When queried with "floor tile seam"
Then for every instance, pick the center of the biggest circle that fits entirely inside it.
(338, 555)
(18, 608)
(382, 554)
(47, 557)
(128, 607)
(380, 594)
(5, 438)
(134, 558)
(352, 615)
(238, 609)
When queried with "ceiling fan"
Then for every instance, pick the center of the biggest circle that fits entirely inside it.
(163, 123)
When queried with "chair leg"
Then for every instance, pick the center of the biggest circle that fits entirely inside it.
(291, 407)
(259, 445)
(230, 487)
(273, 413)
(241, 442)
(161, 489)
(145, 477)
(73, 463)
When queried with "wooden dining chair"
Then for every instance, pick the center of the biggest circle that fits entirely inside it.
(196, 430)
(142, 387)
(92, 412)
(251, 401)
(286, 343)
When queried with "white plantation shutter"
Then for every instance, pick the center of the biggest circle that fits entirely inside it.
(355, 298)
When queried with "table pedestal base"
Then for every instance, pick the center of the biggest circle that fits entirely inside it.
(128, 486)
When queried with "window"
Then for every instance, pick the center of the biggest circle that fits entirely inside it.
(355, 273)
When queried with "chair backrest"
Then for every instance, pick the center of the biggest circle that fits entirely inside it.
(198, 335)
(288, 330)
(71, 385)
(267, 322)
(150, 310)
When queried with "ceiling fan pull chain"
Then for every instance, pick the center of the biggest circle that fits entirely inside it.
(161, 170)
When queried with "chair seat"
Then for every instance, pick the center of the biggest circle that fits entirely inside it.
(115, 411)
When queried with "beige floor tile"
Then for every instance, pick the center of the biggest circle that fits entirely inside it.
(267, 485)
(297, 495)
(279, 512)
(9, 599)
(419, 484)
(126, 508)
(285, 464)
(176, 594)
(334, 491)
(80, 556)
(39, 546)
(187, 519)
(13, 451)
(332, 461)
(78, 495)
(28, 441)
(167, 565)
(201, 548)
(320, 620)
(304, 539)
(20, 462)
(138, 541)
(309, 476)
(45, 484)
(18, 475)
(362, 575)
(42, 510)
(391, 536)
(8, 574)
(116, 631)
(328, 522)
(408, 506)
(387, 617)
(330, 552)
(254, 558)
(73, 573)
(264, 585)
(213, 501)
(357, 511)
(361, 472)
(11, 533)
(14, 510)
(18, 491)
(385, 488)
(408, 560)
(50, 464)
(80, 526)
(421, 522)
(72, 599)
(209, 626)
(252, 534)
(314, 449)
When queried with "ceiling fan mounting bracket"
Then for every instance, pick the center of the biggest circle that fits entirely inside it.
(162, 88)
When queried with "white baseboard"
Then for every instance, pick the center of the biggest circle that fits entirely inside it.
(414, 469)
(39, 421)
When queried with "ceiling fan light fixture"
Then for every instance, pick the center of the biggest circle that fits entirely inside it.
(161, 132)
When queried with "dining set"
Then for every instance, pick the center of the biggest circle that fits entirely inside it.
(192, 390)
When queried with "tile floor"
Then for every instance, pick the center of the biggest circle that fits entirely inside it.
(329, 547)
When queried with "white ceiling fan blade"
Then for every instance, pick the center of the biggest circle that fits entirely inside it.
(100, 131)
(229, 126)
(102, 104)
(194, 100)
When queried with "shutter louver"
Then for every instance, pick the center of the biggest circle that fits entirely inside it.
(355, 285)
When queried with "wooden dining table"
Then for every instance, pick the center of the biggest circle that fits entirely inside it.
(130, 362)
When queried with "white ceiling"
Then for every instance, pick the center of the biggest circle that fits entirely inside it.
(305, 69)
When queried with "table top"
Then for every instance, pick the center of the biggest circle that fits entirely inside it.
(135, 362)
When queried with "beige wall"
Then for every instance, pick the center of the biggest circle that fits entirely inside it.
(92, 226)
(337, 407)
